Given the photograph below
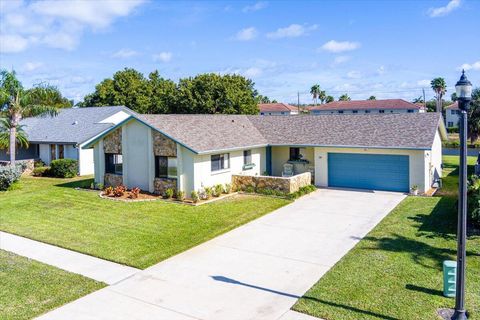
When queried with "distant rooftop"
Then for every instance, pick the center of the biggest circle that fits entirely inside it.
(367, 105)
(71, 125)
(453, 106)
(276, 107)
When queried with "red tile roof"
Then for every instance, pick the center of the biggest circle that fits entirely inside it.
(453, 106)
(367, 104)
(276, 107)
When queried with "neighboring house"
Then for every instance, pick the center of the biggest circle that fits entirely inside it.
(452, 115)
(367, 106)
(277, 109)
(64, 135)
(190, 152)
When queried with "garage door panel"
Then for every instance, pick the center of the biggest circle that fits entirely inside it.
(368, 171)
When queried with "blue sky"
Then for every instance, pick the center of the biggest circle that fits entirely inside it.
(390, 49)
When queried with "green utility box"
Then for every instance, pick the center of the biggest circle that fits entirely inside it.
(449, 278)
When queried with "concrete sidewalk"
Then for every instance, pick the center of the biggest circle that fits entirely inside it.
(257, 271)
(88, 266)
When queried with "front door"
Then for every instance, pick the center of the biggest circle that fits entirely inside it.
(53, 152)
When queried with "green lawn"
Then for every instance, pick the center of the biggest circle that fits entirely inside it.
(396, 271)
(137, 234)
(29, 288)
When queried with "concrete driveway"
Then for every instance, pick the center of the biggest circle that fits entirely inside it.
(256, 271)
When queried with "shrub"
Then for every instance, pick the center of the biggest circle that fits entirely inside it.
(194, 196)
(208, 192)
(169, 193)
(218, 190)
(134, 192)
(41, 171)
(228, 188)
(64, 168)
(119, 191)
(249, 189)
(108, 191)
(9, 175)
(301, 192)
(453, 130)
(180, 195)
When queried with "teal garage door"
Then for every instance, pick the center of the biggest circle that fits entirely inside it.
(368, 171)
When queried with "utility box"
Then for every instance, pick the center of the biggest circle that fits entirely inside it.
(449, 278)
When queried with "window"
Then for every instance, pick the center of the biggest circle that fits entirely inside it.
(450, 124)
(247, 156)
(381, 111)
(295, 154)
(53, 152)
(114, 163)
(367, 111)
(220, 162)
(61, 151)
(261, 113)
(165, 167)
(355, 111)
(341, 111)
(283, 112)
(410, 111)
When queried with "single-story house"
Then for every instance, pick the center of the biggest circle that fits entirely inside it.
(64, 135)
(367, 106)
(277, 109)
(189, 152)
(452, 115)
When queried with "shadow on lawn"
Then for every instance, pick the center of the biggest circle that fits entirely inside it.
(84, 183)
(334, 304)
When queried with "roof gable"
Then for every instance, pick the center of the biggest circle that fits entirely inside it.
(277, 107)
(368, 105)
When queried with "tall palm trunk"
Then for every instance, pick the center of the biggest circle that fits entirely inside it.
(439, 102)
(13, 138)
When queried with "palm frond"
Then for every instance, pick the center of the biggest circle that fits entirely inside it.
(21, 136)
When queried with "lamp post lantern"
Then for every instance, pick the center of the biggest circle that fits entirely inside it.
(464, 95)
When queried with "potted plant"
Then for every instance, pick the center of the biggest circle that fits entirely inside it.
(414, 190)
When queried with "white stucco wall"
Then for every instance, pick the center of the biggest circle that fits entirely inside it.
(204, 177)
(452, 120)
(417, 164)
(70, 152)
(372, 111)
(137, 157)
(44, 153)
(85, 161)
(278, 113)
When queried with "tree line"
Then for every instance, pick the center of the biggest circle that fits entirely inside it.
(205, 93)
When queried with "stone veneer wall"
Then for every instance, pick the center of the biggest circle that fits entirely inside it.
(163, 146)
(113, 180)
(113, 142)
(162, 184)
(284, 184)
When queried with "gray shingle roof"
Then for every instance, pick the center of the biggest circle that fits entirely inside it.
(204, 133)
(72, 125)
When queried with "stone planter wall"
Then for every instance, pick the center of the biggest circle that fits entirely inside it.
(162, 184)
(284, 184)
(113, 142)
(163, 146)
(112, 180)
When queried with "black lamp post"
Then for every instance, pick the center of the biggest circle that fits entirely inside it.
(464, 95)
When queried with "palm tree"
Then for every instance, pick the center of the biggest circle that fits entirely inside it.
(329, 99)
(418, 100)
(322, 96)
(17, 103)
(21, 138)
(439, 86)
(344, 97)
(372, 98)
(315, 91)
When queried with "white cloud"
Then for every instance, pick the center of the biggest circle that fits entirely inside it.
(162, 56)
(252, 72)
(10, 43)
(381, 70)
(354, 75)
(246, 34)
(468, 66)
(341, 59)
(255, 7)
(340, 46)
(292, 31)
(423, 83)
(124, 53)
(56, 24)
(31, 66)
(443, 11)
